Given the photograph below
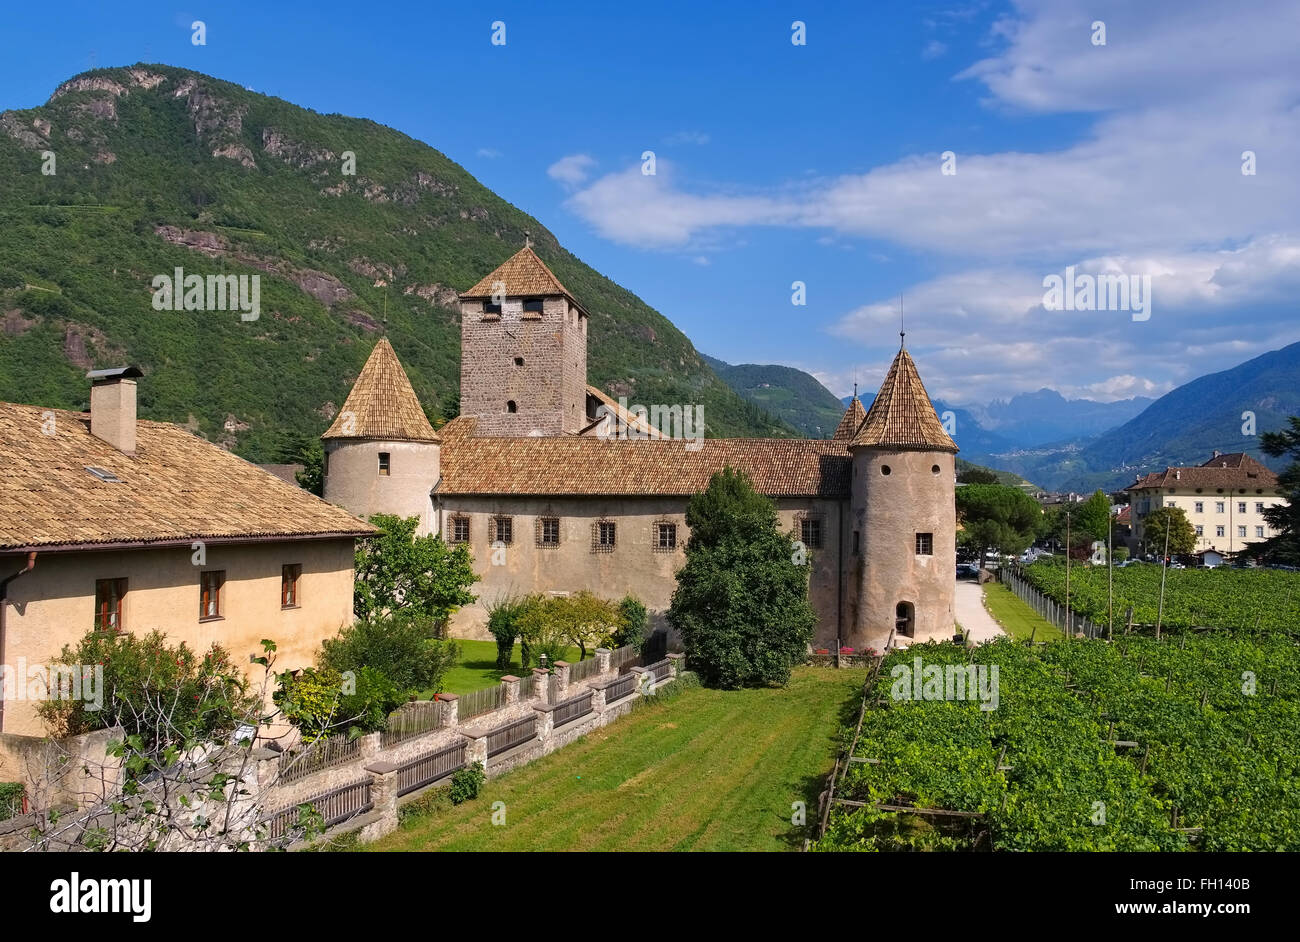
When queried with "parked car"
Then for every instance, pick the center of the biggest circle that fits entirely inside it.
(967, 571)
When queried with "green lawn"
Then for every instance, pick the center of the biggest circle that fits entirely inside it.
(702, 770)
(1016, 617)
(478, 667)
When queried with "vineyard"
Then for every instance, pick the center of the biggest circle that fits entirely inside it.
(1211, 598)
(1182, 744)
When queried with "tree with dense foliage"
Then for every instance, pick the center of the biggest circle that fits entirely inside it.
(503, 624)
(1093, 517)
(1182, 535)
(741, 602)
(1284, 547)
(634, 622)
(324, 702)
(404, 648)
(398, 571)
(997, 517)
(977, 476)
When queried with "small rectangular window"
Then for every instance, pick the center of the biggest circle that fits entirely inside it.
(533, 308)
(1200, 530)
(210, 586)
(810, 532)
(1259, 507)
(1218, 531)
(1259, 532)
(665, 537)
(491, 310)
(1241, 506)
(548, 531)
(925, 544)
(460, 529)
(603, 536)
(1200, 506)
(1241, 531)
(1218, 506)
(289, 576)
(383, 463)
(109, 594)
(503, 530)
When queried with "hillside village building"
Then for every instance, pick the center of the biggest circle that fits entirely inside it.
(1224, 499)
(548, 500)
(102, 519)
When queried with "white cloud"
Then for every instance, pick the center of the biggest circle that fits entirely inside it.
(933, 50)
(488, 153)
(687, 137)
(572, 170)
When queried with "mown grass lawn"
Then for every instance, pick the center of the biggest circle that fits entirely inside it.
(1016, 616)
(699, 770)
(477, 667)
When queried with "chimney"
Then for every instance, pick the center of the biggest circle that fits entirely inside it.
(112, 406)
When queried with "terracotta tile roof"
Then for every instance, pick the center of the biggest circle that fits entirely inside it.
(382, 403)
(632, 420)
(581, 465)
(177, 487)
(902, 416)
(1236, 470)
(525, 275)
(848, 426)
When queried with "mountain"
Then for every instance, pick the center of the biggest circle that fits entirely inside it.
(156, 168)
(963, 426)
(1031, 419)
(787, 393)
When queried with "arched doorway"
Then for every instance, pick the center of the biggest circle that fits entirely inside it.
(905, 619)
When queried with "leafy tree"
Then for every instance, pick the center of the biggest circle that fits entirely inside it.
(401, 647)
(997, 517)
(741, 602)
(1182, 535)
(977, 476)
(635, 621)
(503, 623)
(396, 570)
(1284, 547)
(1093, 517)
(322, 701)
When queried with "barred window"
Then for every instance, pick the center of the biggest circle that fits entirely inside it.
(548, 531)
(810, 531)
(459, 529)
(602, 536)
(503, 530)
(665, 537)
(925, 544)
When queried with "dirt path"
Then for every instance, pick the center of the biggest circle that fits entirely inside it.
(971, 613)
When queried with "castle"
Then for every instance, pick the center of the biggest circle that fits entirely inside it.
(529, 477)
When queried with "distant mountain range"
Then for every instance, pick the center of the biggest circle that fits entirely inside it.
(1071, 444)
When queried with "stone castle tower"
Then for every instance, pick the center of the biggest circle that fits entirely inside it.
(523, 351)
(903, 506)
(381, 453)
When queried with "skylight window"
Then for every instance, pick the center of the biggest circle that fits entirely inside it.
(104, 474)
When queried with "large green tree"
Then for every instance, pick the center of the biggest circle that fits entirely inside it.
(398, 571)
(1182, 535)
(1093, 517)
(1285, 518)
(997, 517)
(741, 602)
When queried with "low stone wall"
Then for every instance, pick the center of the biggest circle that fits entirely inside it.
(75, 770)
(383, 765)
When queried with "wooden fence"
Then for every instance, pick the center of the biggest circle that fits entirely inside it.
(572, 709)
(335, 806)
(620, 688)
(511, 735)
(478, 702)
(306, 760)
(430, 767)
(582, 670)
(413, 719)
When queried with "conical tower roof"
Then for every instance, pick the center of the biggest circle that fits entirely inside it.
(853, 417)
(523, 274)
(901, 416)
(382, 404)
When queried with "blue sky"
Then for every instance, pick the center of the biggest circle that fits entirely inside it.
(821, 163)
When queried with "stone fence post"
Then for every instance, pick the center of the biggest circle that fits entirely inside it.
(476, 748)
(511, 683)
(676, 664)
(602, 660)
(597, 697)
(449, 703)
(645, 681)
(383, 795)
(561, 679)
(371, 744)
(545, 724)
(542, 689)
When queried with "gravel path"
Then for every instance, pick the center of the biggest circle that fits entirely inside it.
(971, 613)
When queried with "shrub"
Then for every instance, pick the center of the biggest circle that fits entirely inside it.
(401, 647)
(322, 701)
(157, 692)
(467, 783)
(11, 799)
(503, 622)
(633, 622)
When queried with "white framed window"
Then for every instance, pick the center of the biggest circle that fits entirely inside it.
(1218, 531)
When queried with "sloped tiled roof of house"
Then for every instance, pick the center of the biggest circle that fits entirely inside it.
(848, 426)
(176, 488)
(1234, 471)
(581, 465)
(902, 416)
(617, 412)
(523, 274)
(382, 403)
